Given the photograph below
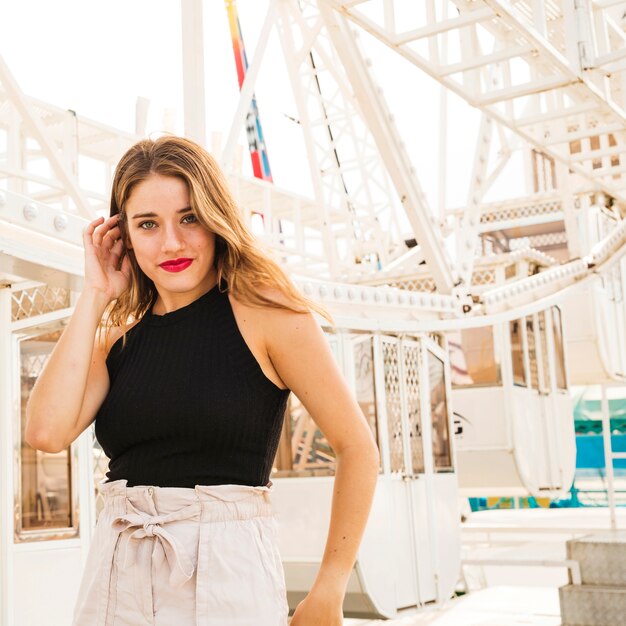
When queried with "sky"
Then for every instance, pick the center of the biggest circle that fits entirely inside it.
(97, 57)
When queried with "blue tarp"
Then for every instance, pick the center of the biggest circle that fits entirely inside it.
(590, 451)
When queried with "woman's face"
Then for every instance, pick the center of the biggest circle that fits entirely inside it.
(163, 228)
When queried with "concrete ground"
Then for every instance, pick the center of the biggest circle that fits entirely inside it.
(494, 606)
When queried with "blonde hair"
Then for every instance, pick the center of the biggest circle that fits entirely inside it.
(240, 262)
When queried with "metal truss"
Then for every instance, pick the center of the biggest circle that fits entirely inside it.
(45, 146)
(550, 71)
(349, 140)
(43, 150)
(489, 271)
(391, 148)
(341, 157)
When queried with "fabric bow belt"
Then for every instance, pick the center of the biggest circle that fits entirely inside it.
(164, 547)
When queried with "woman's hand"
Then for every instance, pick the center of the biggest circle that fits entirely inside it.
(319, 609)
(103, 249)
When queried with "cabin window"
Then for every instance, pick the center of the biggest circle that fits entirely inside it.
(303, 450)
(45, 503)
(393, 404)
(612, 284)
(532, 352)
(442, 454)
(365, 386)
(517, 353)
(510, 271)
(559, 354)
(410, 361)
(473, 358)
(545, 362)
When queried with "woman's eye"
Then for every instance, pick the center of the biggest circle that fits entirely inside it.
(153, 224)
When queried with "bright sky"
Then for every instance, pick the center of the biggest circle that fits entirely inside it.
(97, 57)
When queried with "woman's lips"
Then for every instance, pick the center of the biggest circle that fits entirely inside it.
(176, 266)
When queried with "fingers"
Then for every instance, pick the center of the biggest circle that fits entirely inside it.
(116, 247)
(102, 233)
(110, 238)
(89, 230)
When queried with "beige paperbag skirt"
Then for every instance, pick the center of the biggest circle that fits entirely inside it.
(173, 556)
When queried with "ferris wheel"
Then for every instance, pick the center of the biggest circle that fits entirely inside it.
(443, 308)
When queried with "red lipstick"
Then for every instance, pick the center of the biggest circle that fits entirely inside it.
(176, 265)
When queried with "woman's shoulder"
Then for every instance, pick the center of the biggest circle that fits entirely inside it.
(278, 306)
(271, 331)
(271, 322)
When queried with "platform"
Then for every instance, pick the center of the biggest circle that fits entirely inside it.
(495, 606)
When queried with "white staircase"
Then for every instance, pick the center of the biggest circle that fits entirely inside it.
(601, 598)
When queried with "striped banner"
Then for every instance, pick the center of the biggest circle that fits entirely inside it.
(256, 142)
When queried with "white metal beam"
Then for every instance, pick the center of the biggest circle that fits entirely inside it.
(193, 70)
(289, 51)
(467, 234)
(474, 62)
(7, 451)
(392, 151)
(556, 77)
(437, 28)
(38, 130)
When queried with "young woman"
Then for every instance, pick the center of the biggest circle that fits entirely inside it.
(183, 347)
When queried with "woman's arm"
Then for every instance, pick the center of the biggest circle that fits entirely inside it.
(55, 402)
(301, 355)
(74, 381)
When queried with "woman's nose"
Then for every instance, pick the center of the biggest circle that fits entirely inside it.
(172, 238)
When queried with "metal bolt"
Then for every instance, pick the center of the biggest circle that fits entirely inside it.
(60, 222)
(30, 212)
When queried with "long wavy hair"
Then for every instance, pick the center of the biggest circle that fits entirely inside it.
(242, 265)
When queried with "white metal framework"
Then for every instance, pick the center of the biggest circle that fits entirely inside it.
(551, 72)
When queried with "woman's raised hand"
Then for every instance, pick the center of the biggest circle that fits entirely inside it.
(103, 249)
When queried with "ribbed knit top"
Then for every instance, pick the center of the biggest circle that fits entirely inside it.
(188, 402)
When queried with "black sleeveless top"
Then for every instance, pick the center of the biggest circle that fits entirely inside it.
(188, 403)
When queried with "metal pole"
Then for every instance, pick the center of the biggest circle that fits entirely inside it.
(193, 70)
(443, 126)
(608, 455)
(7, 459)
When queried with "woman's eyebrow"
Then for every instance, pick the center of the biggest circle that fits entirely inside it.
(134, 217)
